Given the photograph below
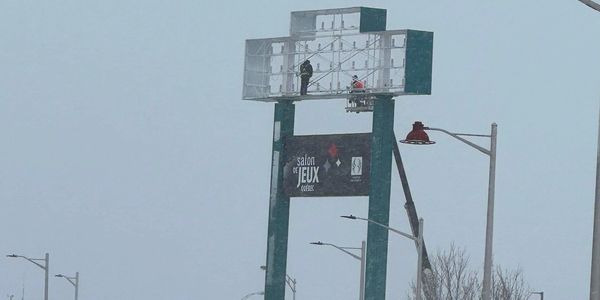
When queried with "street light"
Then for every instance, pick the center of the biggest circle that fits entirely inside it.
(418, 240)
(73, 280)
(45, 267)
(361, 258)
(539, 293)
(291, 282)
(253, 294)
(418, 137)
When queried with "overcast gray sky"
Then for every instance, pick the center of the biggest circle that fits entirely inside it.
(127, 153)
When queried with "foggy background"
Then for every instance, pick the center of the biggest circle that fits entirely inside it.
(127, 153)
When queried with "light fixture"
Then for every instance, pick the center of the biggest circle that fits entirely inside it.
(417, 136)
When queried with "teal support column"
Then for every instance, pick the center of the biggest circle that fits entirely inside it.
(379, 197)
(279, 205)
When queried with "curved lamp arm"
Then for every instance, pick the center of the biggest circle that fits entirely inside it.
(343, 249)
(69, 279)
(384, 226)
(457, 136)
(32, 260)
(253, 294)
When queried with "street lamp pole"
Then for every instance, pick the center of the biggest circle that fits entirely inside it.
(489, 229)
(420, 261)
(45, 266)
(418, 136)
(46, 275)
(363, 261)
(73, 280)
(361, 258)
(76, 285)
(595, 273)
(418, 240)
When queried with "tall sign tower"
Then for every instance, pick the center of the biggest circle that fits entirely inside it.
(342, 45)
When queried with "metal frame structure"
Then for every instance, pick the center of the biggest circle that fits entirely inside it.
(334, 65)
(389, 62)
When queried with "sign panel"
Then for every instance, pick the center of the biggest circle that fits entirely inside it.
(327, 165)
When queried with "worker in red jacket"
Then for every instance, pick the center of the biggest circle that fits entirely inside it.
(357, 85)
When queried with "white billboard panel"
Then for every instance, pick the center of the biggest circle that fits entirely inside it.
(272, 67)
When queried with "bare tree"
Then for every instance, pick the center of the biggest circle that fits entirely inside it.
(509, 285)
(451, 278)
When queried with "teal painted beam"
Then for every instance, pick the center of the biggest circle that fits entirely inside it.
(279, 205)
(372, 19)
(419, 62)
(379, 198)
